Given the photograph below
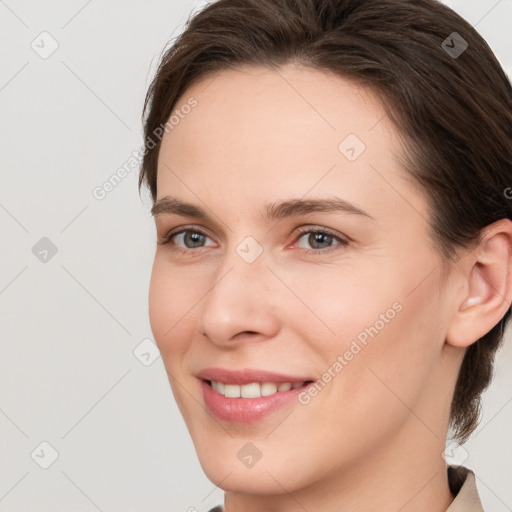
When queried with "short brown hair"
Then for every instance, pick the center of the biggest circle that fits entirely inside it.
(452, 110)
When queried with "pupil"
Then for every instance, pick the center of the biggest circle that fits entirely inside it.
(317, 237)
(196, 237)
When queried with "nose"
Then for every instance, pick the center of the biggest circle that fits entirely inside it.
(242, 303)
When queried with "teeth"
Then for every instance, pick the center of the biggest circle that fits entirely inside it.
(268, 388)
(218, 386)
(249, 390)
(231, 391)
(254, 389)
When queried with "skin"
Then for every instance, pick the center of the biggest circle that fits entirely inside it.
(373, 438)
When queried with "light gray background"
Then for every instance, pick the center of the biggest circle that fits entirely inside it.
(69, 326)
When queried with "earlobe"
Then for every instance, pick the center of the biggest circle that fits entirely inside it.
(488, 287)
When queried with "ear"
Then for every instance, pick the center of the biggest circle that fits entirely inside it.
(487, 289)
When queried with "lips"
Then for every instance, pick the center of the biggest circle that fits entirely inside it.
(248, 409)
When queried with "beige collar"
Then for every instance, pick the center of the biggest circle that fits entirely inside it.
(463, 487)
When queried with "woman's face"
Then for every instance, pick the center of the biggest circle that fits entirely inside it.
(360, 309)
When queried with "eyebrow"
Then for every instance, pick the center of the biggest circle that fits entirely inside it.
(271, 211)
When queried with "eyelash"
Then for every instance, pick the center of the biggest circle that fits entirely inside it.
(302, 231)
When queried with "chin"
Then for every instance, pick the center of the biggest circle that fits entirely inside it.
(262, 480)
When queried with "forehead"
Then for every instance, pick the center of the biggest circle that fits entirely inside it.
(286, 132)
(258, 106)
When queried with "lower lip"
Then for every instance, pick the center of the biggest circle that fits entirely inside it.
(246, 410)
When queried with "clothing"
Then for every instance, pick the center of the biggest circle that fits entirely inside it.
(462, 485)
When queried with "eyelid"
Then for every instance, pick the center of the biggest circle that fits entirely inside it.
(321, 229)
(177, 231)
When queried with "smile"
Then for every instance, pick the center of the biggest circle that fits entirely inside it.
(254, 389)
(248, 403)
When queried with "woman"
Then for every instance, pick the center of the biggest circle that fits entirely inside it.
(332, 275)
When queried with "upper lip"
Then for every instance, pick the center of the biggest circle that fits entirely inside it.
(247, 376)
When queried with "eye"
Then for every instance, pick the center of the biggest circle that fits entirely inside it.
(191, 238)
(322, 238)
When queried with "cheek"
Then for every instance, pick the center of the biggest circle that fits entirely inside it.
(377, 337)
(171, 302)
(337, 303)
